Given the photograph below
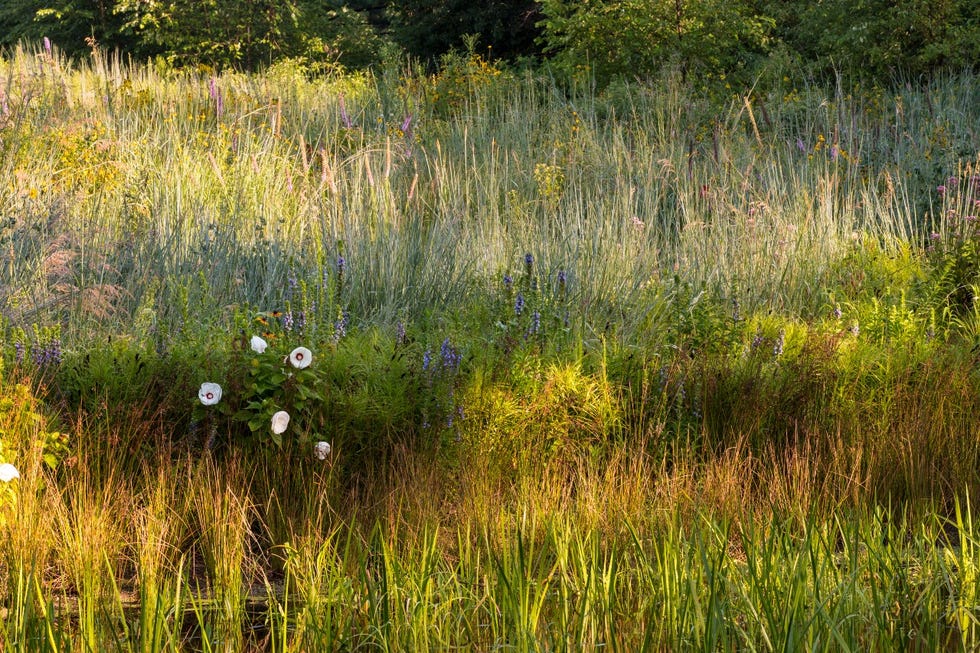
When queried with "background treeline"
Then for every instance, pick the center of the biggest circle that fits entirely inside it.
(604, 37)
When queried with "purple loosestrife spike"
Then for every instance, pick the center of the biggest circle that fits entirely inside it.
(406, 124)
(344, 118)
(215, 93)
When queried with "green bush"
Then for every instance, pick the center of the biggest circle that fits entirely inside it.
(639, 37)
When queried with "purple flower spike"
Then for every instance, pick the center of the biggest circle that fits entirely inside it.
(344, 118)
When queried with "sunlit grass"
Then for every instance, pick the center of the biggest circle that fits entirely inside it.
(634, 370)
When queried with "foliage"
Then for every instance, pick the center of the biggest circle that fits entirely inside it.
(220, 32)
(640, 37)
(881, 37)
(638, 369)
(431, 28)
(69, 24)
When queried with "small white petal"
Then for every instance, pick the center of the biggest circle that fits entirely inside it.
(259, 344)
(8, 472)
(209, 394)
(280, 421)
(321, 450)
(300, 358)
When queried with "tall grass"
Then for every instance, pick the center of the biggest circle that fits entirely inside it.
(140, 197)
(735, 410)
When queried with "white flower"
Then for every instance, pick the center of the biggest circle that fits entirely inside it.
(209, 394)
(280, 421)
(301, 357)
(321, 450)
(8, 472)
(259, 345)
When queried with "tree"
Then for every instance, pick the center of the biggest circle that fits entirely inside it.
(428, 28)
(638, 37)
(67, 23)
(219, 32)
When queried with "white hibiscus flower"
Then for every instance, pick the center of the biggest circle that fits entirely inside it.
(209, 394)
(279, 422)
(8, 472)
(300, 358)
(321, 450)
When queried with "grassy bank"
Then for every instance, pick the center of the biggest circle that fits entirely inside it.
(636, 368)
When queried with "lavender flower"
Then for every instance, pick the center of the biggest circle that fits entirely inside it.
(757, 339)
(344, 118)
(400, 334)
(341, 265)
(519, 304)
(535, 323)
(777, 349)
(837, 312)
(19, 349)
(287, 321)
(508, 281)
(426, 360)
(450, 356)
(54, 352)
(340, 326)
(300, 321)
(800, 145)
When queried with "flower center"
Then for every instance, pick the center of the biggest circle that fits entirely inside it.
(299, 356)
(209, 395)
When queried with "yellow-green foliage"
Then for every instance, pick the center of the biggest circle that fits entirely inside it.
(552, 414)
(24, 428)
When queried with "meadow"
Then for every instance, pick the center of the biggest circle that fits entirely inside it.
(648, 367)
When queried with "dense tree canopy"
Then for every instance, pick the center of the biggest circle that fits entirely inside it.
(607, 37)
